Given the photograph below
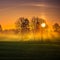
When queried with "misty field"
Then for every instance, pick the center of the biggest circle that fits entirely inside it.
(29, 50)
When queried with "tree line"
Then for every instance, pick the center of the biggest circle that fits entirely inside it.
(25, 25)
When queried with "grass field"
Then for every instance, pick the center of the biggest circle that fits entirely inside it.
(29, 51)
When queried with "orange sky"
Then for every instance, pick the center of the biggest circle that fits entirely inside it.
(11, 10)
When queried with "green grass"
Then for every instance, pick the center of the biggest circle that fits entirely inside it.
(29, 51)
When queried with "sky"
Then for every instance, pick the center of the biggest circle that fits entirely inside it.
(11, 10)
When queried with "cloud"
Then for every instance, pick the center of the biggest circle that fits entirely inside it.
(46, 5)
(6, 4)
(40, 5)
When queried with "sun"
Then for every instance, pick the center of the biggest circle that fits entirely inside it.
(43, 25)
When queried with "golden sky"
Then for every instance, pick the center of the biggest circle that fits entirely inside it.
(11, 10)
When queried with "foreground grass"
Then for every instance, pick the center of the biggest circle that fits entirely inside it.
(29, 51)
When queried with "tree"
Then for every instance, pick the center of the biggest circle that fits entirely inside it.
(0, 28)
(18, 24)
(56, 27)
(36, 23)
(22, 24)
(25, 25)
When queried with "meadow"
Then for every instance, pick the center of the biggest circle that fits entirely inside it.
(29, 50)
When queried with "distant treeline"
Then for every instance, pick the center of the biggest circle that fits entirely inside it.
(25, 25)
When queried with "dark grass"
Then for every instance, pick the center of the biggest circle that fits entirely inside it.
(29, 50)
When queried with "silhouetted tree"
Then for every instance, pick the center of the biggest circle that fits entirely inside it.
(25, 25)
(0, 28)
(18, 24)
(56, 27)
(36, 23)
(22, 25)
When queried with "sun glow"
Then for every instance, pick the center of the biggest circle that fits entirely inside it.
(43, 25)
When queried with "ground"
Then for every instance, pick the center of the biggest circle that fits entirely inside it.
(29, 51)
